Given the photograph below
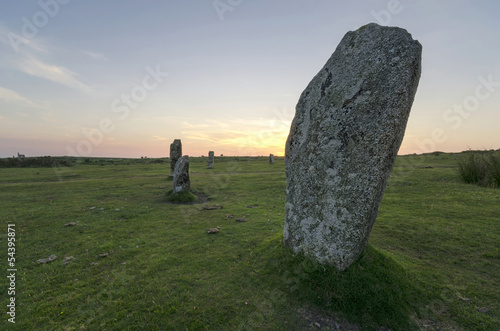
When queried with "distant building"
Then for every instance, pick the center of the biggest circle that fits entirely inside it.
(20, 156)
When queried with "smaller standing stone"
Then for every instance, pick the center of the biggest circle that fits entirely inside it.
(175, 154)
(210, 161)
(181, 175)
(271, 158)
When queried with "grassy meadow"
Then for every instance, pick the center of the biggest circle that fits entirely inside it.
(140, 263)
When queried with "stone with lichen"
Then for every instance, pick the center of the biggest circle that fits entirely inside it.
(343, 141)
(181, 175)
(175, 154)
(210, 160)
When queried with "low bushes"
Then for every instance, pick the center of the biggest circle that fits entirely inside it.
(42, 161)
(482, 168)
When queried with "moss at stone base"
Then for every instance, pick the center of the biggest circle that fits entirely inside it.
(181, 197)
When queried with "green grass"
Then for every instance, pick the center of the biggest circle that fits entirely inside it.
(480, 167)
(434, 244)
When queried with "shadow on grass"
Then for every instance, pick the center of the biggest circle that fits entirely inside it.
(374, 292)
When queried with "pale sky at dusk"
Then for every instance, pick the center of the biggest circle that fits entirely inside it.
(125, 78)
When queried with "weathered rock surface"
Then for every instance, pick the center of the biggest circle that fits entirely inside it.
(343, 141)
(67, 260)
(271, 158)
(210, 161)
(211, 207)
(48, 259)
(213, 230)
(181, 175)
(175, 154)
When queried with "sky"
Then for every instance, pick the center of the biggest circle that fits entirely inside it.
(122, 78)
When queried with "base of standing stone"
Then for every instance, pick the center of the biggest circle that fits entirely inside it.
(181, 197)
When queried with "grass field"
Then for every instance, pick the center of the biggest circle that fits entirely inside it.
(433, 260)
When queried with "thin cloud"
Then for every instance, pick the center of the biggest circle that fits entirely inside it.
(55, 73)
(250, 135)
(22, 114)
(12, 97)
(28, 60)
(97, 56)
(199, 136)
(16, 42)
(158, 138)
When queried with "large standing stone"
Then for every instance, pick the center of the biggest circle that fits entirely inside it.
(181, 175)
(210, 161)
(343, 141)
(175, 154)
(271, 158)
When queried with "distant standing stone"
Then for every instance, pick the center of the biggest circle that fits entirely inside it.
(210, 161)
(175, 154)
(181, 175)
(343, 141)
(271, 158)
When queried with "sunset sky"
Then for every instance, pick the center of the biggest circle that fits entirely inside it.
(125, 78)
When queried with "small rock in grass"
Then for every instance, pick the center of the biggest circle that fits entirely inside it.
(49, 259)
(94, 263)
(463, 298)
(67, 260)
(228, 216)
(483, 310)
(213, 230)
(92, 208)
(211, 207)
(241, 219)
(103, 254)
(70, 224)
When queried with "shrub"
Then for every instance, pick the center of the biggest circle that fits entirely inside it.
(480, 168)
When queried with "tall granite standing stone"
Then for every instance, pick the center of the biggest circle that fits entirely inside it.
(271, 158)
(210, 161)
(343, 141)
(175, 154)
(181, 175)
